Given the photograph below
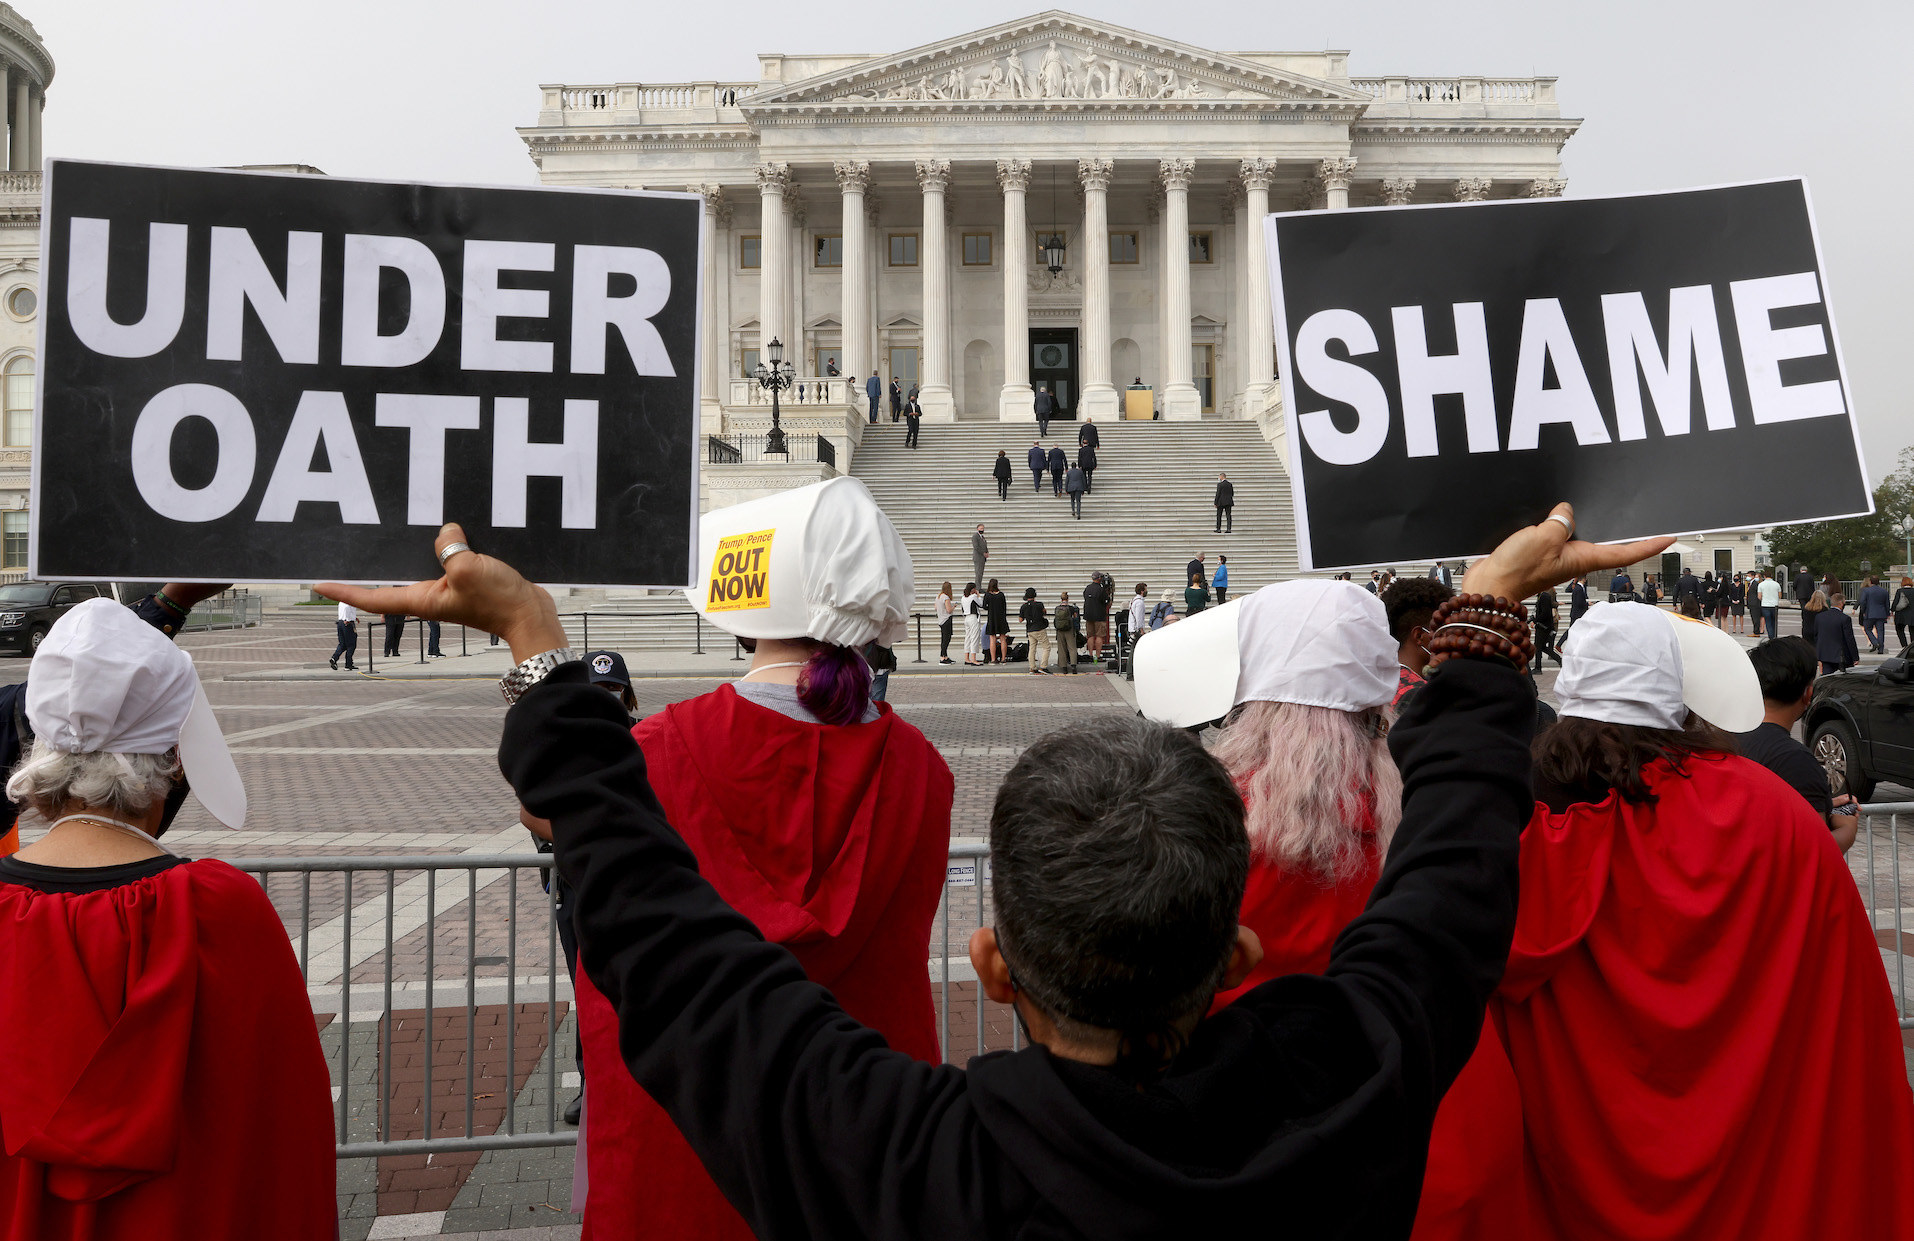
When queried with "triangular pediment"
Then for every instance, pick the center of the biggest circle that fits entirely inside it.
(1054, 59)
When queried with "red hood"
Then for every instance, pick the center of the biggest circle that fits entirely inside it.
(806, 829)
(97, 999)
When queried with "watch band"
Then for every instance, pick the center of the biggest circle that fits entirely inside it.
(514, 683)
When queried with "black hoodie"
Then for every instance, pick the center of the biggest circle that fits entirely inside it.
(1301, 1110)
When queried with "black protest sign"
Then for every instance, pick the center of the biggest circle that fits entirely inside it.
(261, 377)
(1665, 362)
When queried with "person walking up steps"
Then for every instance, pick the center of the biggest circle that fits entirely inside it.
(1225, 504)
(1036, 623)
(913, 415)
(1046, 405)
(873, 389)
(1087, 435)
(1074, 483)
(1001, 472)
(1039, 463)
(1058, 464)
(1087, 462)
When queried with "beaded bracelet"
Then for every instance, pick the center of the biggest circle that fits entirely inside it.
(1481, 626)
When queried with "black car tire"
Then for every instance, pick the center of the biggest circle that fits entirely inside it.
(34, 635)
(1834, 747)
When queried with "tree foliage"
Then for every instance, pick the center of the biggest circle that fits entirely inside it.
(1839, 547)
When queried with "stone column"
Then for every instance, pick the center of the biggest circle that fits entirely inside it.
(33, 130)
(798, 265)
(1099, 397)
(1015, 399)
(853, 178)
(1180, 398)
(1397, 191)
(1335, 174)
(17, 144)
(5, 81)
(711, 383)
(773, 234)
(1260, 389)
(1545, 187)
(933, 260)
(1472, 189)
(1231, 378)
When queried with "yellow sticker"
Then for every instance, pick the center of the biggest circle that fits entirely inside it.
(741, 573)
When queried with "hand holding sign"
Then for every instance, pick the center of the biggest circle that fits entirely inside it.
(1544, 556)
(479, 591)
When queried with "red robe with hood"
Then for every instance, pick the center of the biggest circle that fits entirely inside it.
(1699, 1022)
(1472, 1186)
(834, 840)
(163, 1075)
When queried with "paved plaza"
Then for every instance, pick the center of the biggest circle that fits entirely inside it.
(403, 763)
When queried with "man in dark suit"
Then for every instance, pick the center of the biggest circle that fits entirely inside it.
(830, 367)
(1804, 589)
(873, 388)
(1194, 569)
(1087, 462)
(897, 399)
(1039, 462)
(1088, 436)
(1058, 464)
(1225, 503)
(1577, 600)
(394, 630)
(1046, 405)
(913, 413)
(1545, 628)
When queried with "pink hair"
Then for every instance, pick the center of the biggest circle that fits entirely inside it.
(1322, 793)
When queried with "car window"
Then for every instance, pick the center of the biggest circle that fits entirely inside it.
(63, 596)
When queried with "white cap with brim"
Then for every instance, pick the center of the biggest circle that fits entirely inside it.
(1316, 643)
(105, 681)
(820, 562)
(1632, 663)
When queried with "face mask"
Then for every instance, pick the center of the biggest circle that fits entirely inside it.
(175, 799)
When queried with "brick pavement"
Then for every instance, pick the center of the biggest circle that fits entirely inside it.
(366, 766)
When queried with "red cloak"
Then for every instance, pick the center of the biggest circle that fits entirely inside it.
(1472, 1186)
(1704, 1039)
(164, 1079)
(834, 840)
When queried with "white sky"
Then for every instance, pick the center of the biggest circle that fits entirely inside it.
(1674, 93)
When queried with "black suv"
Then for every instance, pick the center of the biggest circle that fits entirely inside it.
(1861, 727)
(28, 609)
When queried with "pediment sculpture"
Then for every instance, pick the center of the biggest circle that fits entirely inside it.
(1058, 71)
(1042, 280)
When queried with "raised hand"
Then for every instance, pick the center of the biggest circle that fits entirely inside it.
(1544, 556)
(476, 590)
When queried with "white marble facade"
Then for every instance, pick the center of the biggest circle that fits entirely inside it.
(25, 71)
(885, 211)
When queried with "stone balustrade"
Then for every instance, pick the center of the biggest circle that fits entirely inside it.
(636, 103)
(816, 390)
(1453, 94)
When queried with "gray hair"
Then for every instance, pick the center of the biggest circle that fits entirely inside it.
(127, 785)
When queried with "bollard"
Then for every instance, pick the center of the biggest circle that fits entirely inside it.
(919, 618)
(738, 649)
(462, 651)
(587, 617)
(371, 666)
(697, 625)
(420, 626)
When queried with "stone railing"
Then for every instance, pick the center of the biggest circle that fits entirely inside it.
(638, 103)
(1535, 93)
(20, 182)
(808, 390)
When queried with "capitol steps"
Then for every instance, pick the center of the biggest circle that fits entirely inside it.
(1151, 512)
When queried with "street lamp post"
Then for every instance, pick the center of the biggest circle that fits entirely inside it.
(1905, 528)
(775, 378)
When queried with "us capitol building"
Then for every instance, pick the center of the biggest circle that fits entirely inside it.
(1049, 201)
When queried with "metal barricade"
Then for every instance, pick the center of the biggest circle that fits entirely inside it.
(1877, 872)
(408, 989)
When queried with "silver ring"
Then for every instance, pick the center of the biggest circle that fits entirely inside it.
(451, 550)
(1566, 523)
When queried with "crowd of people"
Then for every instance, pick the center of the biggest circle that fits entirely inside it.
(1286, 975)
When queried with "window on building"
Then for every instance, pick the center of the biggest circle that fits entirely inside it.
(1123, 248)
(747, 362)
(1200, 248)
(19, 402)
(1724, 562)
(13, 552)
(750, 251)
(827, 250)
(1203, 370)
(976, 249)
(903, 249)
(22, 302)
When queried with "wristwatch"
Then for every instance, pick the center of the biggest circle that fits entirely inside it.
(514, 683)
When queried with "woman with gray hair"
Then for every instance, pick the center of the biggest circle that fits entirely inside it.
(164, 1077)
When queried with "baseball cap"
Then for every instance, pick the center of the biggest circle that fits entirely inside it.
(607, 668)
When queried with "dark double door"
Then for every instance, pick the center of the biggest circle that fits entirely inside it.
(1053, 364)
